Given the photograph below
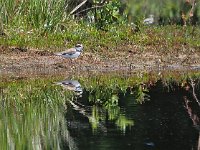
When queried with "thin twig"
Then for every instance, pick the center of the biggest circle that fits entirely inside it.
(94, 7)
(77, 7)
(193, 91)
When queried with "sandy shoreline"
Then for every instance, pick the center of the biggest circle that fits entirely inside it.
(14, 62)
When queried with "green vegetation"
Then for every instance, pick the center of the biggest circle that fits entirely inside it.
(166, 11)
(95, 40)
(48, 24)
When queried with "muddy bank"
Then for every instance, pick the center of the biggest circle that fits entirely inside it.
(28, 62)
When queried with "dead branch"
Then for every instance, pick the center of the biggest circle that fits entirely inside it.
(193, 91)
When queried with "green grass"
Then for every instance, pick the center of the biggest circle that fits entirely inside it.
(158, 37)
(170, 36)
(47, 25)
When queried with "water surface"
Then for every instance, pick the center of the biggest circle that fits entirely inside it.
(101, 112)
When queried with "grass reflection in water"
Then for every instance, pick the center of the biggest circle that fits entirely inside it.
(33, 113)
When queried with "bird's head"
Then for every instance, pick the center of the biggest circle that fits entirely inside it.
(79, 47)
(78, 90)
(151, 16)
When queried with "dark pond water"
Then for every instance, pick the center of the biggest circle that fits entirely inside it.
(169, 120)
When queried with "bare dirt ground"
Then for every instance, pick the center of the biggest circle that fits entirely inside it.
(29, 62)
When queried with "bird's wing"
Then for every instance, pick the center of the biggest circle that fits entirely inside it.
(146, 20)
(68, 84)
(75, 83)
(70, 51)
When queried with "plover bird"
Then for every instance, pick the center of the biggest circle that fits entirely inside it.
(149, 21)
(72, 52)
(72, 85)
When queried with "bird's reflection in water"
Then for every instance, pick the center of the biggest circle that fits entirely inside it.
(72, 85)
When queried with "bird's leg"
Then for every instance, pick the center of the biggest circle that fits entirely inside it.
(73, 67)
(70, 63)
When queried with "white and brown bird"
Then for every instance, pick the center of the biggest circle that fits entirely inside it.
(149, 21)
(71, 52)
(72, 85)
